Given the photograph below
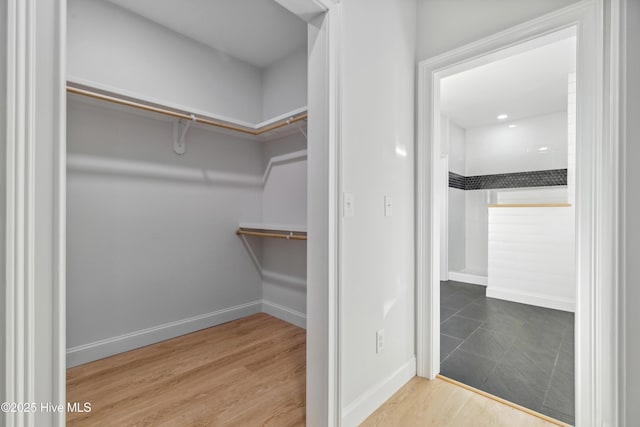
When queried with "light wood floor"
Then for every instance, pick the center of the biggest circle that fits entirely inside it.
(437, 403)
(250, 372)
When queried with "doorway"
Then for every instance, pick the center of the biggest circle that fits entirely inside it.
(238, 156)
(593, 274)
(508, 298)
(40, 111)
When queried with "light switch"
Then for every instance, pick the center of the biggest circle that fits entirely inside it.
(348, 208)
(388, 205)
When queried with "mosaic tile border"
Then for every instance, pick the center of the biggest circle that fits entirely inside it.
(457, 181)
(544, 178)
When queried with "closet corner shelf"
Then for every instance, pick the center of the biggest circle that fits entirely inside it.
(277, 231)
(264, 127)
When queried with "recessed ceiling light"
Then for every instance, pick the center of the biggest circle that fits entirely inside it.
(502, 116)
(512, 126)
(543, 149)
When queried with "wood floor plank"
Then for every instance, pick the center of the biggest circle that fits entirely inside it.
(247, 372)
(423, 402)
(251, 372)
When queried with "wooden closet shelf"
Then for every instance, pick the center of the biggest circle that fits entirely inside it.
(281, 234)
(183, 115)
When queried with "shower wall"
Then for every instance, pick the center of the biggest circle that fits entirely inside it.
(457, 201)
(534, 144)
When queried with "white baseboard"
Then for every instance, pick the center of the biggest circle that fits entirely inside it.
(363, 406)
(468, 278)
(548, 301)
(284, 313)
(110, 346)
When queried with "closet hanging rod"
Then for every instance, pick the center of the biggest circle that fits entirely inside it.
(179, 115)
(284, 235)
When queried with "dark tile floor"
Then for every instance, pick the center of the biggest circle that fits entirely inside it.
(519, 352)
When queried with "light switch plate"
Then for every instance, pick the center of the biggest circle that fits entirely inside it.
(388, 205)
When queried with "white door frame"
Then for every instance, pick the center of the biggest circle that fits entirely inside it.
(444, 216)
(34, 295)
(35, 199)
(323, 247)
(596, 203)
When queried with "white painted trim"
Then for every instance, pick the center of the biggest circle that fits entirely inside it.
(365, 404)
(35, 224)
(444, 214)
(59, 295)
(540, 300)
(108, 347)
(335, 241)
(323, 247)
(474, 279)
(596, 208)
(619, 72)
(287, 314)
(20, 177)
(96, 350)
(609, 183)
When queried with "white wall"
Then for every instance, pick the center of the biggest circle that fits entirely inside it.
(631, 211)
(284, 201)
(457, 149)
(476, 232)
(444, 24)
(284, 85)
(499, 149)
(377, 260)
(114, 47)
(151, 234)
(532, 256)
(456, 230)
(531, 195)
(457, 223)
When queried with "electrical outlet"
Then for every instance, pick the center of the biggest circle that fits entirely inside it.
(380, 341)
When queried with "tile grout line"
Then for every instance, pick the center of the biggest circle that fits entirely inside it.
(455, 314)
(555, 364)
(511, 343)
(451, 352)
(463, 341)
(500, 361)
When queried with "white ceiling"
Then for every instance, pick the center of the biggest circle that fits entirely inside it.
(523, 85)
(259, 32)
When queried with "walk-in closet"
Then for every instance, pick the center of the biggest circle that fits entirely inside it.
(186, 212)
